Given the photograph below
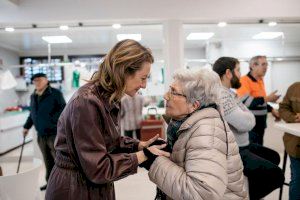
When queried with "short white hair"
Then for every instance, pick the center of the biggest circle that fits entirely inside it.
(201, 85)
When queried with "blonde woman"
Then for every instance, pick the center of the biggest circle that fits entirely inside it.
(90, 153)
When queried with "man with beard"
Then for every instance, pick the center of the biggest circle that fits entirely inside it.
(254, 96)
(260, 163)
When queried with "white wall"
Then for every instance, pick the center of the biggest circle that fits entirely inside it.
(194, 53)
(8, 97)
(284, 73)
(143, 10)
(247, 49)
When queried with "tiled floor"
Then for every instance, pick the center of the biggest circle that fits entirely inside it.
(138, 186)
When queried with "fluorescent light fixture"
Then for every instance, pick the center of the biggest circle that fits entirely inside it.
(199, 36)
(57, 39)
(64, 27)
(272, 23)
(116, 26)
(9, 29)
(279, 59)
(222, 24)
(267, 35)
(136, 37)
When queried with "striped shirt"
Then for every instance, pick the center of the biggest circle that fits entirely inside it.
(237, 115)
(131, 112)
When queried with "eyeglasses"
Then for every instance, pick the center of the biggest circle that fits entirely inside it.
(171, 93)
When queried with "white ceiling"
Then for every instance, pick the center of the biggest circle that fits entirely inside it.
(36, 11)
(103, 38)
(99, 39)
(243, 33)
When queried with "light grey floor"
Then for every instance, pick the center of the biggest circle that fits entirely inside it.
(138, 186)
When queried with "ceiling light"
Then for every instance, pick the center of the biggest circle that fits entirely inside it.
(279, 59)
(199, 36)
(116, 26)
(272, 23)
(267, 35)
(222, 24)
(57, 39)
(136, 37)
(63, 27)
(9, 29)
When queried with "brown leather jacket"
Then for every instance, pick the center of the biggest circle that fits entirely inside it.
(90, 153)
(288, 108)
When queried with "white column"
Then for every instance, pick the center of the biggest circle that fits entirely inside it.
(173, 49)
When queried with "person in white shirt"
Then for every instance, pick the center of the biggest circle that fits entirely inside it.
(260, 163)
(131, 115)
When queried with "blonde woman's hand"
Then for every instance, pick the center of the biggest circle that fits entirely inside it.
(145, 144)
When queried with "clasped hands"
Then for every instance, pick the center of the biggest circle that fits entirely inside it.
(150, 150)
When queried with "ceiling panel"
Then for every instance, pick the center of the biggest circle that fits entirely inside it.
(82, 37)
(104, 37)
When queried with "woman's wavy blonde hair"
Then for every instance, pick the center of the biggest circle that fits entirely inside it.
(123, 60)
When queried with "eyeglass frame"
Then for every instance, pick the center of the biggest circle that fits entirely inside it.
(171, 93)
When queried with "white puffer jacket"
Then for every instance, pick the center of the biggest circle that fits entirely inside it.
(198, 167)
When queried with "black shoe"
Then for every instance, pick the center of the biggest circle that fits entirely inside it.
(43, 187)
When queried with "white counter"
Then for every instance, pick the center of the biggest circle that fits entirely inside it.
(291, 128)
(11, 127)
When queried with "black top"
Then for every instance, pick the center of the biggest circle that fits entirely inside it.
(45, 111)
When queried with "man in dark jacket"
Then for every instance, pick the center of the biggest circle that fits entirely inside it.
(46, 105)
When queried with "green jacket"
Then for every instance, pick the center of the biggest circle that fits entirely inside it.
(288, 109)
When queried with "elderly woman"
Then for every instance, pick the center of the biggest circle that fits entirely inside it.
(205, 162)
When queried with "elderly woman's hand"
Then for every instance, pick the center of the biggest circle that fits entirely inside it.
(156, 150)
(145, 144)
(151, 153)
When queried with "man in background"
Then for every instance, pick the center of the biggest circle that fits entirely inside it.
(289, 110)
(46, 105)
(131, 114)
(254, 96)
(260, 163)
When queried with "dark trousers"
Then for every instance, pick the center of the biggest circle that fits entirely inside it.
(261, 168)
(294, 190)
(256, 136)
(46, 144)
(130, 133)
